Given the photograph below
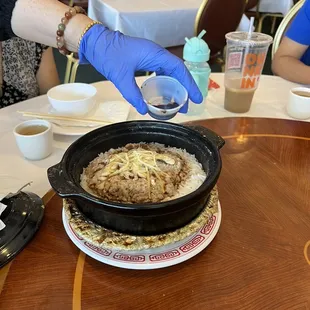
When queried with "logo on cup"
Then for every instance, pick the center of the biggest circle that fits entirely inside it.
(235, 60)
(253, 67)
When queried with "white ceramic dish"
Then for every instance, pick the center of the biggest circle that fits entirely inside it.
(161, 257)
(74, 99)
(299, 106)
(34, 146)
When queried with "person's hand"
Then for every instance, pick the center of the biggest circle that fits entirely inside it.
(118, 57)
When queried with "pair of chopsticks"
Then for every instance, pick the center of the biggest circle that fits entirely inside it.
(62, 118)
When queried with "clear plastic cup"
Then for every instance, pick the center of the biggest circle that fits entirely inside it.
(245, 60)
(164, 96)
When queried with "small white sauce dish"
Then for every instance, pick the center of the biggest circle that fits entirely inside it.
(76, 99)
(298, 106)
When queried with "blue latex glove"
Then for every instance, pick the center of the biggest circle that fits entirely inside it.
(118, 57)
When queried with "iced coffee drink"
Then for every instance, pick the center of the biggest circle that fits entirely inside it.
(245, 59)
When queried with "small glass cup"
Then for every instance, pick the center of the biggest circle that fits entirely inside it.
(164, 96)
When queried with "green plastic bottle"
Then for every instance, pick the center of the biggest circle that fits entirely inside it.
(196, 54)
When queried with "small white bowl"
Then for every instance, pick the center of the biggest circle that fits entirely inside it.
(298, 106)
(34, 138)
(72, 99)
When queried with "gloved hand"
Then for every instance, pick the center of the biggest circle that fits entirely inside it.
(118, 57)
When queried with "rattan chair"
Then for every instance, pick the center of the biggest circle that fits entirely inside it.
(284, 25)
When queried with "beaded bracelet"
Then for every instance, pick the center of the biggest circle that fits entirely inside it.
(86, 29)
(62, 26)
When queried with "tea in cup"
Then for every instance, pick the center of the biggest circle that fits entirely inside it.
(299, 103)
(34, 139)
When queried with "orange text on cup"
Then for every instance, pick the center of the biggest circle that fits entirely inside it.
(253, 67)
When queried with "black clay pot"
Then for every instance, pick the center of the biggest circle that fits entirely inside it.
(147, 219)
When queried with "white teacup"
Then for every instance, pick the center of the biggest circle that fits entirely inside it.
(34, 139)
(72, 98)
(299, 103)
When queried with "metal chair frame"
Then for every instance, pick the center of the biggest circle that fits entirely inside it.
(72, 63)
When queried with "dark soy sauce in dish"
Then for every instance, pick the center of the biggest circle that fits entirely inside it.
(171, 105)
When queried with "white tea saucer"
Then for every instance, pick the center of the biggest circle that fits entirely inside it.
(160, 257)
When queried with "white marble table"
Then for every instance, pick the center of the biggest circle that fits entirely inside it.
(165, 22)
(269, 101)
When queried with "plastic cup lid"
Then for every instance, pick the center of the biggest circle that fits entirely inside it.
(256, 39)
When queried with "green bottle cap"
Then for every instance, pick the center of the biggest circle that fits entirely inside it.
(196, 49)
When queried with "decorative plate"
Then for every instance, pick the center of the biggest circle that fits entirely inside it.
(160, 257)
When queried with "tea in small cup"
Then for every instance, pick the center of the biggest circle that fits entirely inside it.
(34, 139)
(299, 103)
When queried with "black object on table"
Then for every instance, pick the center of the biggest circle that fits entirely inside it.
(22, 218)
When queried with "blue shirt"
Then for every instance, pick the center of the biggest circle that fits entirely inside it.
(299, 30)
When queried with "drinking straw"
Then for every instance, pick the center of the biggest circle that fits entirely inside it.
(250, 28)
(249, 34)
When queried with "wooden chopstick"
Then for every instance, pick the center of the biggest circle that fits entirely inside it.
(62, 118)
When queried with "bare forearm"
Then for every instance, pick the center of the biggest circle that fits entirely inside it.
(291, 69)
(47, 76)
(37, 20)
